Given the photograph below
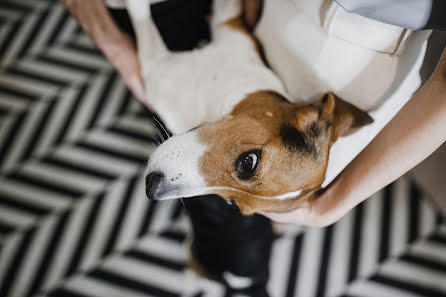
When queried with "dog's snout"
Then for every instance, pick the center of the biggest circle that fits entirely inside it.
(153, 180)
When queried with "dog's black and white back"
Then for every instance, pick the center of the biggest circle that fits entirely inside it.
(202, 85)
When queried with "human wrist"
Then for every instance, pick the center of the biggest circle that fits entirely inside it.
(114, 45)
(335, 201)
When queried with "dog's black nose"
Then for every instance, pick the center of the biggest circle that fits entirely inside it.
(153, 180)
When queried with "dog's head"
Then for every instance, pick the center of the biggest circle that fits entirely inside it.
(266, 155)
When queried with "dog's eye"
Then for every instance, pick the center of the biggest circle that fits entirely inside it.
(246, 164)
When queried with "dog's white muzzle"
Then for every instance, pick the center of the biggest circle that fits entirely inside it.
(173, 168)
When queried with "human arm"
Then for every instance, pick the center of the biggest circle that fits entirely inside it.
(412, 135)
(117, 46)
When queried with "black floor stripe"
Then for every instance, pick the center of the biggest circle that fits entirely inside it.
(102, 99)
(50, 251)
(3, 112)
(385, 223)
(355, 242)
(131, 284)
(40, 128)
(9, 139)
(120, 217)
(64, 126)
(323, 268)
(228, 293)
(58, 27)
(45, 185)
(43, 16)
(66, 64)
(146, 222)
(125, 102)
(28, 207)
(294, 266)
(162, 262)
(85, 234)
(20, 8)
(16, 264)
(37, 77)
(437, 238)
(112, 152)
(78, 168)
(19, 94)
(414, 207)
(174, 235)
(9, 39)
(6, 228)
(133, 134)
(408, 286)
(424, 262)
(62, 292)
(179, 209)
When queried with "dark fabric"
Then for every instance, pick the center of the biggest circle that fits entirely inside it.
(411, 14)
(182, 23)
(437, 19)
(122, 19)
(225, 240)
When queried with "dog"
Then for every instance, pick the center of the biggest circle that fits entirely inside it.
(238, 138)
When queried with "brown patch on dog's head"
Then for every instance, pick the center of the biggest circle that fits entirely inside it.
(268, 147)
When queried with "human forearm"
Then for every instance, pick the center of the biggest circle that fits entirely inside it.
(118, 47)
(96, 22)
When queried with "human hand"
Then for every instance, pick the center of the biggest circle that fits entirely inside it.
(123, 56)
(117, 46)
(320, 211)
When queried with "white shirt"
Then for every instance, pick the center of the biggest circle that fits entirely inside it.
(316, 46)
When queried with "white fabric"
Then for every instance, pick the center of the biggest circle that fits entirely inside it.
(120, 4)
(358, 30)
(312, 60)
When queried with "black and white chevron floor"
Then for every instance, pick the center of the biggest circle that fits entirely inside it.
(74, 220)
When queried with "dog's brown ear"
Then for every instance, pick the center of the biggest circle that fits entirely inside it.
(345, 117)
(307, 129)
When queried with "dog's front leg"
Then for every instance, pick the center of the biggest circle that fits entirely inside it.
(149, 42)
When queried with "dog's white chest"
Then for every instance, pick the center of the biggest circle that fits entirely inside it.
(190, 88)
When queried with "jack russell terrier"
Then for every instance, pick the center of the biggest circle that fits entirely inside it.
(236, 135)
